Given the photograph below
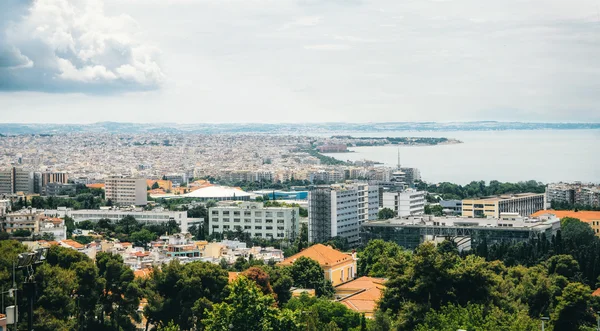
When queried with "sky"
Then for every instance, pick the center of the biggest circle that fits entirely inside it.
(271, 61)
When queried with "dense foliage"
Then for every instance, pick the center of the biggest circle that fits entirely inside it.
(475, 189)
(74, 293)
(510, 287)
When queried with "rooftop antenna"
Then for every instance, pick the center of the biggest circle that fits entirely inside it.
(398, 158)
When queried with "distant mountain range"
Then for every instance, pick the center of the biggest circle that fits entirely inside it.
(284, 128)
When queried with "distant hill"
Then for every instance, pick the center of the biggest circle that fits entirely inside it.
(283, 128)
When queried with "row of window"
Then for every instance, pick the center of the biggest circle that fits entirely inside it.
(247, 213)
(246, 220)
(248, 227)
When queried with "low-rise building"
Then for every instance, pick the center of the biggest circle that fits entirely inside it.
(590, 217)
(523, 203)
(466, 232)
(337, 267)
(451, 207)
(361, 295)
(156, 216)
(26, 220)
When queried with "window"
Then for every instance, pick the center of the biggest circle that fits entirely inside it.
(258, 214)
(215, 212)
(280, 221)
(279, 214)
(269, 214)
(236, 213)
(268, 221)
(225, 227)
(342, 275)
(226, 212)
(257, 227)
(280, 235)
(269, 228)
(236, 220)
(247, 227)
(247, 220)
(247, 213)
(280, 228)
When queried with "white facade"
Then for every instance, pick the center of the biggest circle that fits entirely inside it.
(406, 203)
(368, 202)
(114, 215)
(339, 209)
(126, 191)
(254, 218)
(345, 220)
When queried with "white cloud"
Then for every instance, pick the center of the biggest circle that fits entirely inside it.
(65, 45)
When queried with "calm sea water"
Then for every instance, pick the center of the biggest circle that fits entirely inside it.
(546, 156)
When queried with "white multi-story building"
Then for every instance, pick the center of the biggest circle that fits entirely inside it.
(126, 191)
(339, 209)
(406, 203)
(368, 202)
(114, 215)
(256, 219)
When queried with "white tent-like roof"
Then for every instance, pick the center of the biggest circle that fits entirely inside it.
(217, 192)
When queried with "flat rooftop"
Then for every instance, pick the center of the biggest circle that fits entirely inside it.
(505, 197)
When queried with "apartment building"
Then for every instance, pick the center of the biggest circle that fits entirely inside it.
(256, 219)
(334, 211)
(524, 204)
(22, 220)
(13, 180)
(405, 203)
(126, 191)
(368, 202)
(573, 194)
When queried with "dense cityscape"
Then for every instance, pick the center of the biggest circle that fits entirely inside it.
(299, 165)
(274, 214)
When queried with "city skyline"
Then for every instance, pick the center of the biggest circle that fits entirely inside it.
(298, 61)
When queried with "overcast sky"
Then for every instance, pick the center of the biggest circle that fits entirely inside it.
(83, 61)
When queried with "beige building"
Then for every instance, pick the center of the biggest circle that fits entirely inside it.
(126, 190)
(337, 267)
(524, 204)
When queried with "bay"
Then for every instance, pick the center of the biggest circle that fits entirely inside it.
(542, 155)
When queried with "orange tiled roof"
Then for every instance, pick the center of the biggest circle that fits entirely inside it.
(72, 243)
(325, 255)
(365, 301)
(97, 185)
(596, 292)
(125, 244)
(584, 216)
(363, 282)
(2, 316)
(141, 254)
(142, 273)
(233, 276)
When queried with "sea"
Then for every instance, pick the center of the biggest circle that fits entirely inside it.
(508, 156)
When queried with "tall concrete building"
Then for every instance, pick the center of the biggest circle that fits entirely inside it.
(123, 191)
(256, 219)
(524, 204)
(405, 203)
(339, 209)
(13, 180)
